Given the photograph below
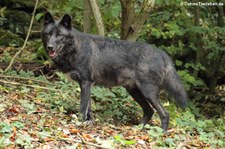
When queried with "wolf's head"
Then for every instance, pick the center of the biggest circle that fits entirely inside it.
(55, 34)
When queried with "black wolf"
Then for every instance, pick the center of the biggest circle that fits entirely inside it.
(94, 60)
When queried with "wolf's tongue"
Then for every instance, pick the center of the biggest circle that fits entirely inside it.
(52, 53)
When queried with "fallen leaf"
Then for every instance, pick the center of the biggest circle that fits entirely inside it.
(14, 118)
(144, 137)
(47, 139)
(74, 130)
(13, 110)
(64, 135)
(88, 138)
(13, 137)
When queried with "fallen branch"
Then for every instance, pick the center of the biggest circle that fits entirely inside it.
(27, 37)
(28, 79)
(32, 66)
(35, 86)
(77, 141)
(27, 85)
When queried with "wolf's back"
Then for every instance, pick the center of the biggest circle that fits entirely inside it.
(174, 87)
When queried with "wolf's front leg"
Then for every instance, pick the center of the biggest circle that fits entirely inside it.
(85, 103)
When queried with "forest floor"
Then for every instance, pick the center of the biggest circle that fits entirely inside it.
(33, 115)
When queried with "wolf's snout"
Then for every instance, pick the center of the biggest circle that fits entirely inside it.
(50, 47)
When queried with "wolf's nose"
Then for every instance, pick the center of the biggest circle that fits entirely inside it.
(50, 47)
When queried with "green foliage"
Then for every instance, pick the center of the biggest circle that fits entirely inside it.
(9, 38)
(5, 128)
(65, 97)
(209, 131)
(119, 139)
(189, 80)
(6, 57)
(61, 7)
(199, 53)
(115, 105)
(36, 111)
(198, 49)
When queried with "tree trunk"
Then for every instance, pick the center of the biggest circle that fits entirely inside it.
(87, 16)
(198, 39)
(127, 17)
(220, 18)
(132, 22)
(97, 16)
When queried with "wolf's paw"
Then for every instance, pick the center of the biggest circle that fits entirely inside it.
(88, 123)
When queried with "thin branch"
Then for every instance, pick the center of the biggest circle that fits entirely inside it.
(27, 37)
(131, 21)
(34, 86)
(27, 85)
(23, 78)
(97, 16)
(77, 141)
(140, 19)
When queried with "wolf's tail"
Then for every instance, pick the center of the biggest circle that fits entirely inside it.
(174, 87)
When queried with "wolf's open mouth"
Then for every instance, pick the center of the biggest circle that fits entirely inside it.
(54, 53)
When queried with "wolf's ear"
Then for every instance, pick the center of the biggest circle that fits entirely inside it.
(48, 19)
(66, 21)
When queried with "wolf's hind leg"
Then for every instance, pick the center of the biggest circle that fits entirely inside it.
(142, 101)
(151, 92)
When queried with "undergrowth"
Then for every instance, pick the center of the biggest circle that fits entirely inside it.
(112, 107)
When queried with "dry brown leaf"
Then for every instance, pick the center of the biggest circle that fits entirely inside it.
(13, 110)
(74, 130)
(88, 138)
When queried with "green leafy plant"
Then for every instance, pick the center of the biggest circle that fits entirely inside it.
(119, 138)
(115, 105)
(5, 128)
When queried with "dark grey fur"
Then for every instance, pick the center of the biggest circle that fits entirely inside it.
(94, 60)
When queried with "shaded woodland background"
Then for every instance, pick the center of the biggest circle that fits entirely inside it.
(194, 36)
